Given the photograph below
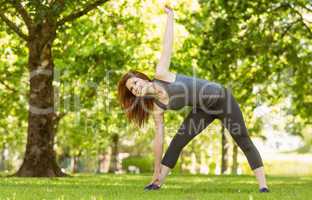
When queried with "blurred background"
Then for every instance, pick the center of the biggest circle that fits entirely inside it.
(260, 49)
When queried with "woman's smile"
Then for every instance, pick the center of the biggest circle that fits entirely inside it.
(137, 86)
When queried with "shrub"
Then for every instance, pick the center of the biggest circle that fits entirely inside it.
(144, 163)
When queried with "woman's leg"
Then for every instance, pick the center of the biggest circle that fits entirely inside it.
(232, 118)
(260, 175)
(164, 171)
(196, 121)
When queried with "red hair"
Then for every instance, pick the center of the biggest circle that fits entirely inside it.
(136, 108)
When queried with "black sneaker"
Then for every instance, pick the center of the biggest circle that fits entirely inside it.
(264, 190)
(152, 186)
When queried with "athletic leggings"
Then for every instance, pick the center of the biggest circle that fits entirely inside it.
(225, 109)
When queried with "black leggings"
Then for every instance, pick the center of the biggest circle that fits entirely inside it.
(225, 109)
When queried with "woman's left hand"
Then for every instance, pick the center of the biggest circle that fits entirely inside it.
(168, 10)
(156, 178)
(154, 184)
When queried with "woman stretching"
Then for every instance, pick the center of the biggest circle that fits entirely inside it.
(141, 97)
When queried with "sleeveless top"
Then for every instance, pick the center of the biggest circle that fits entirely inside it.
(189, 91)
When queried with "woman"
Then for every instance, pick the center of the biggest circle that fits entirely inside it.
(141, 97)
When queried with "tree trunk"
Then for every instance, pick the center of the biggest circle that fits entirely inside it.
(114, 167)
(185, 165)
(194, 159)
(234, 158)
(74, 164)
(2, 158)
(182, 161)
(40, 159)
(104, 161)
(225, 145)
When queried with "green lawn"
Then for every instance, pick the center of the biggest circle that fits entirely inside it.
(180, 187)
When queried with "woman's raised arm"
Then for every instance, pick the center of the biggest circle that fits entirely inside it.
(164, 61)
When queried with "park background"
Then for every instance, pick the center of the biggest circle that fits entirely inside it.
(67, 56)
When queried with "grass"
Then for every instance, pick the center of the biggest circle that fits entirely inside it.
(128, 187)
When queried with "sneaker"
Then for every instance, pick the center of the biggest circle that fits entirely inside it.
(264, 190)
(152, 186)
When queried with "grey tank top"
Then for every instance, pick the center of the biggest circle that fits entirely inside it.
(189, 91)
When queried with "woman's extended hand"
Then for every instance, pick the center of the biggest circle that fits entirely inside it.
(154, 184)
(168, 10)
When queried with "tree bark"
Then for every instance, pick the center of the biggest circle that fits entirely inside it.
(224, 148)
(74, 164)
(104, 161)
(40, 158)
(2, 158)
(114, 159)
(195, 161)
(182, 160)
(234, 159)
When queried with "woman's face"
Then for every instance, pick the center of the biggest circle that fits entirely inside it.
(137, 86)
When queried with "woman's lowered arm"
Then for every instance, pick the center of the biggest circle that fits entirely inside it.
(164, 61)
(158, 143)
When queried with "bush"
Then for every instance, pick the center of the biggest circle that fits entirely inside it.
(144, 163)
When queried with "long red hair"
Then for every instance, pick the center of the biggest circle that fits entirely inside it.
(136, 108)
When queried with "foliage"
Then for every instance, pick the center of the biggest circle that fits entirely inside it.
(144, 163)
(260, 49)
